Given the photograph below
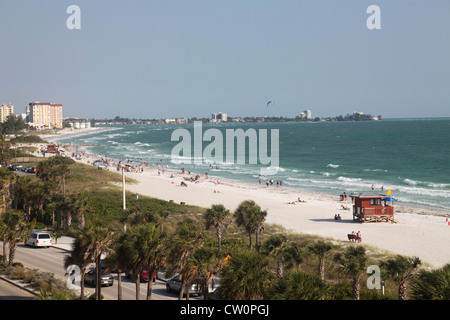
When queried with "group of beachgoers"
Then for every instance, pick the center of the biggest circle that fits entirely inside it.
(358, 236)
(270, 182)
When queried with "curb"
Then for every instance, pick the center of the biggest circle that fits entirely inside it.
(17, 285)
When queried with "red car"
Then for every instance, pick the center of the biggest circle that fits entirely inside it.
(145, 275)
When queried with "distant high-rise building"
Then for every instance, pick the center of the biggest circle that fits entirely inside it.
(308, 114)
(6, 110)
(305, 114)
(217, 117)
(45, 114)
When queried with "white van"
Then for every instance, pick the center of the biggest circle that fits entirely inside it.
(40, 239)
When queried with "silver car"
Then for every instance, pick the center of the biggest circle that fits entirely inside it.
(106, 279)
(174, 285)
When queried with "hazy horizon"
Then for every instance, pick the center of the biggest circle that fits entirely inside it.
(174, 59)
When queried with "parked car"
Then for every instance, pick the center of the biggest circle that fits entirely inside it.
(30, 170)
(145, 275)
(174, 284)
(106, 279)
(40, 239)
(215, 295)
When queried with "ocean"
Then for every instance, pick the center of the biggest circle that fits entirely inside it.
(411, 157)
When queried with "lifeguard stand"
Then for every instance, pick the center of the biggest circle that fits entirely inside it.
(370, 207)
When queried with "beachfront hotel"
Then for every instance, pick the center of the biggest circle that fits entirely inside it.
(6, 110)
(45, 114)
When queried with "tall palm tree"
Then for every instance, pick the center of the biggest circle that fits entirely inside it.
(119, 260)
(3, 230)
(276, 247)
(96, 241)
(354, 265)
(80, 257)
(432, 284)
(320, 249)
(144, 244)
(4, 151)
(7, 180)
(187, 238)
(203, 264)
(217, 217)
(16, 230)
(252, 218)
(246, 276)
(401, 269)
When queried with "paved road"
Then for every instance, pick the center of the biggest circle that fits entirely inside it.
(52, 260)
(9, 291)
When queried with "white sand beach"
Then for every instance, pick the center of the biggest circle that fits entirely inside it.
(419, 232)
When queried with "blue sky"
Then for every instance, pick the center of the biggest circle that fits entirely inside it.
(190, 58)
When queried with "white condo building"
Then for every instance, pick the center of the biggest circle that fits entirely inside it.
(45, 114)
(6, 110)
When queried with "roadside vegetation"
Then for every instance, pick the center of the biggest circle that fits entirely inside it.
(253, 259)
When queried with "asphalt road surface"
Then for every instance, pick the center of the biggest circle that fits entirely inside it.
(52, 260)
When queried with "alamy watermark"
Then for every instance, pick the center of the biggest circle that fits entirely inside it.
(190, 149)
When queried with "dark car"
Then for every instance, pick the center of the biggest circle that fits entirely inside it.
(30, 170)
(106, 279)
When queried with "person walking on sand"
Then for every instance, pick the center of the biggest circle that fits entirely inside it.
(358, 236)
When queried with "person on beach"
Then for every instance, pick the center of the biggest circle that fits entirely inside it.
(358, 236)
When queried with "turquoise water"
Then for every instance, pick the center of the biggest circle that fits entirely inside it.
(409, 156)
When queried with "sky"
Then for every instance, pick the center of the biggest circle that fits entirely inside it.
(148, 59)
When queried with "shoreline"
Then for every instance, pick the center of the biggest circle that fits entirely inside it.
(421, 232)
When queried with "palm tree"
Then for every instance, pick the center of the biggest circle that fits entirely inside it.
(187, 238)
(144, 244)
(246, 276)
(15, 230)
(79, 257)
(203, 264)
(321, 250)
(96, 241)
(354, 265)
(3, 230)
(217, 217)
(432, 284)
(55, 168)
(276, 246)
(4, 151)
(250, 215)
(7, 180)
(299, 285)
(401, 270)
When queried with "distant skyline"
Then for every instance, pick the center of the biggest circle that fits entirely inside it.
(173, 58)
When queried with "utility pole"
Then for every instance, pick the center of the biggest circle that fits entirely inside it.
(124, 201)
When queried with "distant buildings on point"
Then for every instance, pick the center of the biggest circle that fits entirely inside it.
(6, 110)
